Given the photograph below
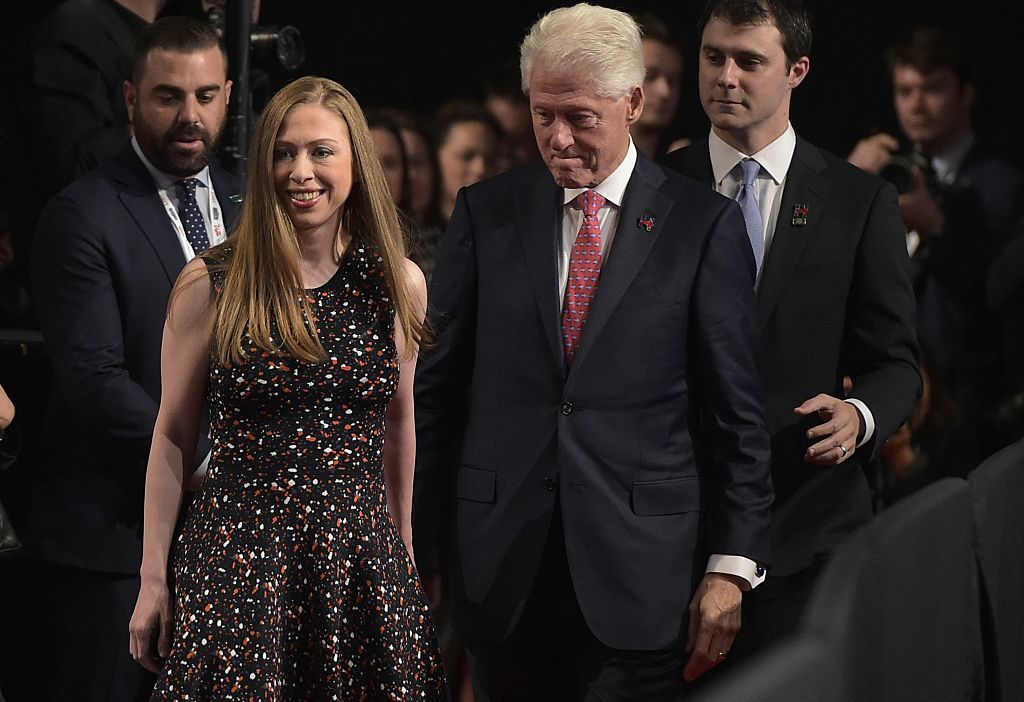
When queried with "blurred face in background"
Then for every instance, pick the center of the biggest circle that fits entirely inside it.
(419, 171)
(467, 155)
(934, 108)
(389, 151)
(664, 66)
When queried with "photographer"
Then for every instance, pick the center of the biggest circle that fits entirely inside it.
(961, 204)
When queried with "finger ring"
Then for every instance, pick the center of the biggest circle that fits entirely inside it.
(842, 448)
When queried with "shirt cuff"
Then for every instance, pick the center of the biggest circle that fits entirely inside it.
(740, 566)
(869, 420)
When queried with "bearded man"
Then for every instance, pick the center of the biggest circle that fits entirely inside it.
(107, 252)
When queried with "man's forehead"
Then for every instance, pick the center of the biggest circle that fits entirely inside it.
(564, 87)
(909, 74)
(722, 30)
(166, 66)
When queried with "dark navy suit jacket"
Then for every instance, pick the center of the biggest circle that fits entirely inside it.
(104, 262)
(653, 444)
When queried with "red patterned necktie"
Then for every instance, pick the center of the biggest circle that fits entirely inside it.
(584, 271)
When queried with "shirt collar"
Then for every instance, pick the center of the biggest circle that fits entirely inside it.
(163, 180)
(612, 188)
(774, 158)
(947, 163)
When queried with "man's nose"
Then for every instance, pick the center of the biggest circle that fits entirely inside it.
(727, 74)
(189, 110)
(561, 136)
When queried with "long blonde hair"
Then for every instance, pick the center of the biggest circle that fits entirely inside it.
(262, 281)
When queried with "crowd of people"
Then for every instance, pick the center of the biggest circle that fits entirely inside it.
(653, 385)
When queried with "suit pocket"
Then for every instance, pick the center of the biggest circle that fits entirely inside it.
(476, 484)
(674, 496)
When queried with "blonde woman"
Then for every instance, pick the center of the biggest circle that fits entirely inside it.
(293, 574)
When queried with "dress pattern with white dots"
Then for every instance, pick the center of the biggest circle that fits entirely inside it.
(291, 581)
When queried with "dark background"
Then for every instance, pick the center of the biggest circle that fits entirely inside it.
(419, 53)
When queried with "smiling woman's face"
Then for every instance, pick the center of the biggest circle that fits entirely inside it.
(313, 168)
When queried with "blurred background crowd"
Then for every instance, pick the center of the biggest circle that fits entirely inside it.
(925, 93)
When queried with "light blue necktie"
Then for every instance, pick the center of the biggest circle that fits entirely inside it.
(747, 199)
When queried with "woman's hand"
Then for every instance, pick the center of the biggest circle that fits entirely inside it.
(151, 624)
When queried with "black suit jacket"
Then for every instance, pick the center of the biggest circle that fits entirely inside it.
(105, 260)
(68, 105)
(835, 299)
(665, 373)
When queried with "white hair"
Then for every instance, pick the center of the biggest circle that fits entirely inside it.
(588, 40)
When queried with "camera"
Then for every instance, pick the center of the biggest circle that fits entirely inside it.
(900, 172)
(269, 46)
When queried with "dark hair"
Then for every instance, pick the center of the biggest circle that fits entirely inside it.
(929, 49)
(790, 17)
(180, 34)
(380, 119)
(457, 112)
(506, 82)
(656, 29)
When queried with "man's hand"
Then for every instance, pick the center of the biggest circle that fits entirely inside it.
(919, 209)
(714, 622)
(6, 409)
(871, 154)
(838, 435)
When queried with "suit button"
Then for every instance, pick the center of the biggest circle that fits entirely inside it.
(566, 408)
(549, 484)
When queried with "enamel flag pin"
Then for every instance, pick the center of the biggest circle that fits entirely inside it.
(800, 213)
(646, 222)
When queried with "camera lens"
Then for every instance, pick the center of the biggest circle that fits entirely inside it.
(282, 46)
(900, 172)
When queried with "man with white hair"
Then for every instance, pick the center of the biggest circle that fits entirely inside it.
(589, 415)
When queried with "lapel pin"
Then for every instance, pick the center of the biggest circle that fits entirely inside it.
(646, 222)
(800, 213)
(237, 199)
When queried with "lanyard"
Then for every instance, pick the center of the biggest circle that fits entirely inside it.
(216, 219)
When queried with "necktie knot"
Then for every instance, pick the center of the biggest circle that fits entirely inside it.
(188, 186)
(591, 202)
(751, 169)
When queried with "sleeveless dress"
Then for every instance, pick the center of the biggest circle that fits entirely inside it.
(290, 580)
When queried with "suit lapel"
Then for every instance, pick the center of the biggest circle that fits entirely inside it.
(137, 193)
(538, 216)
(227, 195)
(803, 189)
(629, 249)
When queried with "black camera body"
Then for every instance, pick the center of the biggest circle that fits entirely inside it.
(900, 172)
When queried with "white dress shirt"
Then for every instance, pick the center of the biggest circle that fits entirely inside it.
(613, 188)
(167, 184)
(775, 160)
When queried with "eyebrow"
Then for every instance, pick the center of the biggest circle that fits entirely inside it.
(174, 89)
(739, 54)
(315, 142)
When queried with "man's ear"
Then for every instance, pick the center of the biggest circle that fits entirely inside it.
(798, 71)
(636, 105)
(227, 92)
(130, 96)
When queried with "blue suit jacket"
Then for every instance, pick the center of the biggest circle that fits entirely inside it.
(654, 442)
(105, 259)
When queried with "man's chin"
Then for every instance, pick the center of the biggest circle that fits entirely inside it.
(185, 164)
(571, 177)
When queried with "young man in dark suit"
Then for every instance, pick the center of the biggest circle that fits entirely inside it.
(834, 297)
(589, 414)
(107, 252)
